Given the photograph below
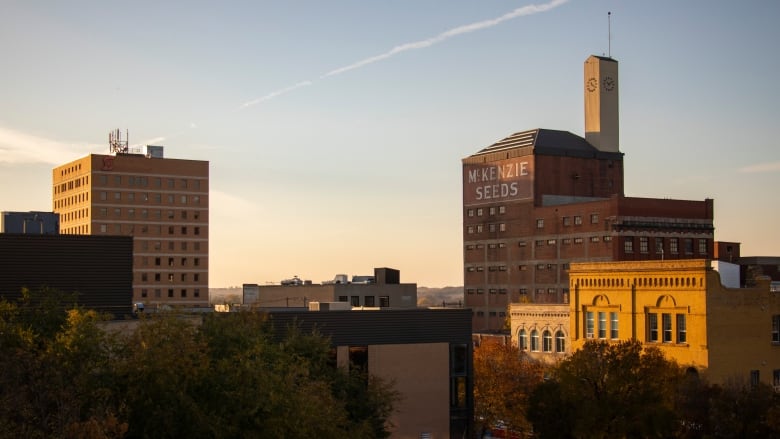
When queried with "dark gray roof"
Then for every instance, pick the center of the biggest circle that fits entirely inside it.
(549, 142)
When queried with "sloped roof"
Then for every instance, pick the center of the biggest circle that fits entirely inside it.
(549, 142)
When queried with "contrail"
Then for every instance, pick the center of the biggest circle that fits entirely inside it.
(274, 94)
(460, 30)
(446, 35)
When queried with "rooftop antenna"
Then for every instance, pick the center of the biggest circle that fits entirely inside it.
(115, 142)
(609, 34)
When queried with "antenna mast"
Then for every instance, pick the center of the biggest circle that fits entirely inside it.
(609, 34)
(115, 142)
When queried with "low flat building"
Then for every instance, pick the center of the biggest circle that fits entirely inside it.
(541, 330)
(383, 290)
(30, 223)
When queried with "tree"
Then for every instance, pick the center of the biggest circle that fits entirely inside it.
(503, 380)
(609, 390)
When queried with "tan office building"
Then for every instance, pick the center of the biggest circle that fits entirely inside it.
(163, 203)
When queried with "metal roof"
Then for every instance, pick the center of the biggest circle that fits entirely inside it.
(549, 142)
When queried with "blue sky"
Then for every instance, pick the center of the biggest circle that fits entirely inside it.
(335, 129)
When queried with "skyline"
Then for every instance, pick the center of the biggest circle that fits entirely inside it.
(335, 135)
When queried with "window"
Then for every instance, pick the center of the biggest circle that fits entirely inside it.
(577, 220)
(702, 246)
(491, 228)
(343, 299)
(652, 327)
(643, 244)
(384, 301)
(479, 228)
(673, 245)
(546, 341)
(550, 242)
(470, 212)
(184, 292)
(594, 239)
(144, 277)
(539, 242)
(659, 245)
(502, 227)
(602, 325)
(534, 341)
(566, 221)
(754, 378)
(501, 209)
(776, 329)
(560, 342)
(355, 300)
(522, 338)
(479, 212)
(594, 218)
(470, 230)
(170, 292)
(688, 242)
(144, 292)
(628, 244)
(540, 223)
(589, 324)
(681, 332)
(103, 228)
(369, 300)
(117, 196)
(578, 240)
(492, 211)
(666, 320)
(613, 327)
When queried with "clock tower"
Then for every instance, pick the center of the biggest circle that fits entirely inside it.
(601, 103)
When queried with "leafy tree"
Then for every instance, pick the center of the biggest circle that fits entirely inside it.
(609, 390)
(504, 378)
(218, 376)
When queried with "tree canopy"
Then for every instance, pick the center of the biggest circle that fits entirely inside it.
(219, 376)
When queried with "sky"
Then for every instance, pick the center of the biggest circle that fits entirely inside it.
(335, 130)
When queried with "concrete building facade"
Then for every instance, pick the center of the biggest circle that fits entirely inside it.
(539, 200)
(680, 306)
(162, 203)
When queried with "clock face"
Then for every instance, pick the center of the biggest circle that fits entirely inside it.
(609, 83)
(593, 84)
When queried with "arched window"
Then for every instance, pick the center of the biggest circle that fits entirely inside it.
(560, 342)
(547, 341)
(534, 341)
(523, 340)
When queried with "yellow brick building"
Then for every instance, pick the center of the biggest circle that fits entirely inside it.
(680, 306)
